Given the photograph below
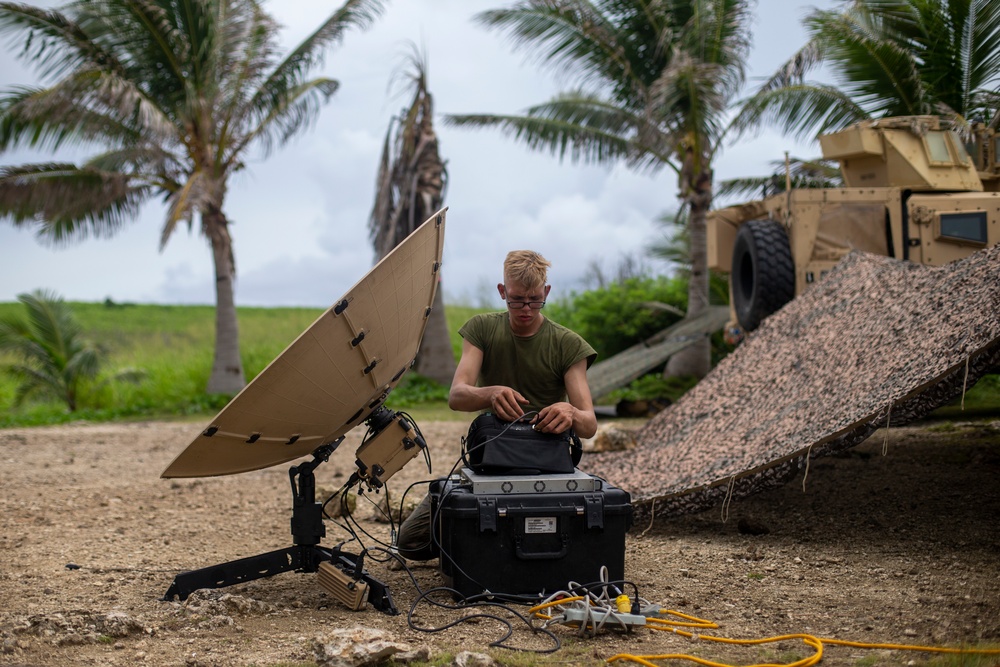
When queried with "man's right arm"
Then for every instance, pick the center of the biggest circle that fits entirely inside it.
(465, 396)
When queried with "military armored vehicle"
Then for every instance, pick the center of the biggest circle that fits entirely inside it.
(913, 190)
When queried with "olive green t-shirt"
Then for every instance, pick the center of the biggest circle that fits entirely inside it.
(535, 365)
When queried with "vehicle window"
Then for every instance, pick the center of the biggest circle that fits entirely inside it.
(959, 147)
(937, 147)
(964, 226)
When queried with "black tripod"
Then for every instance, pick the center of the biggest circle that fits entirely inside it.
(305, 556)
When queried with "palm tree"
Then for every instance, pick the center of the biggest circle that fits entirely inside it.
(53, 359)
(409, 189)
(887, 58)
(655, 80)
(796, 173)
(176, 93)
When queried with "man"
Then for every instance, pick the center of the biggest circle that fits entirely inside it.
(514, 363)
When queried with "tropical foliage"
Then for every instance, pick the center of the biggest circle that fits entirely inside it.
(654, 81)
(614, 317)
(887, 58)
(673, 246)
(409, 189)
(798, 173)
(175, 93)
(52, 359)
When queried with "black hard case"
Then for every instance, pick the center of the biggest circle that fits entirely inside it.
(528, 543)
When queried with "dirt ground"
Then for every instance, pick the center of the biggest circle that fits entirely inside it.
(896, 548)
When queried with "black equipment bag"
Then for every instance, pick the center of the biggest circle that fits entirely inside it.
(494, 446)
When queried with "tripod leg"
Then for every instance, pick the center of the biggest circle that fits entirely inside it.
(236, 572)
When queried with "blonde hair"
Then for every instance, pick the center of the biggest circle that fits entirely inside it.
(526, 268)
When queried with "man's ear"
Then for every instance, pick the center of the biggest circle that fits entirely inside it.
(547, 288)
(503, 292)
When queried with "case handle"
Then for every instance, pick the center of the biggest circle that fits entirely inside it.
(541, 555)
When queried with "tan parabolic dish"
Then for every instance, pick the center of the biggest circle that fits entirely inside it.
(334, 374)
(878, 342)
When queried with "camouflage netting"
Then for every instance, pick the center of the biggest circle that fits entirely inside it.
(877, 342)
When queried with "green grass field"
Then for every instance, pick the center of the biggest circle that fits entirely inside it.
(172, 345)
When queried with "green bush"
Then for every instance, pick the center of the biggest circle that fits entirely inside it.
(415, 389)
(172, 346)
(613, 318)
(651, 386)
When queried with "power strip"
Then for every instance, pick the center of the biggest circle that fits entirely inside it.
(614, 619)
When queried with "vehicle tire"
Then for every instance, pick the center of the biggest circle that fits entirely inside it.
(763, 275)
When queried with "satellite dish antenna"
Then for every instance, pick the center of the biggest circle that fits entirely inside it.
(336, 375)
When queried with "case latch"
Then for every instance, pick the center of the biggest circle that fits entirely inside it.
(594, 507)
(487, 514)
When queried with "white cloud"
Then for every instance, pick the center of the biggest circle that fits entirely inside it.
(300, 216)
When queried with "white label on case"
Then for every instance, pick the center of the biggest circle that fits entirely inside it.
(540, 524)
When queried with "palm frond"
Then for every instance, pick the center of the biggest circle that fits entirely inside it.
(245, 55)
(573, 37)
(142, 161)
(981, 56)
(673, 244)
(815, 173)
(288, 74)
(192, 196)
(54, 42)
(51, 321)
(296, 109)
(579, 126)
(686, 98)
(718, 35)
(558, 137)
(888, 58)
(167, 55)
(86, 107)
(52, 358)
(33, 382)
(794, 71)
(84, 364)
(802, 111)
(66, 203)
(868, 64)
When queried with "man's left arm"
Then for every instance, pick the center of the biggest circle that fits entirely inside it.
(577, 413)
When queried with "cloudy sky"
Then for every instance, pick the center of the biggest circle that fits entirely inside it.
(300, 217)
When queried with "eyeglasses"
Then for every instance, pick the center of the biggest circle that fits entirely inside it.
(518, 305)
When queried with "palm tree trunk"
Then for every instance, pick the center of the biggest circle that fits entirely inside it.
(696, 359)
(436, 359)
(227, 368)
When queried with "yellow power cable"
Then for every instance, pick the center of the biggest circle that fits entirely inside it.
(553, 603)
(809, 640)
(672, 625)
(913, 647)
(667, 625)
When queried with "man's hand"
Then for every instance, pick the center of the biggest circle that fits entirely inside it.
(506, 403)
(556, 418)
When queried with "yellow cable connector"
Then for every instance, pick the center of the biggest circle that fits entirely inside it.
(624, 604)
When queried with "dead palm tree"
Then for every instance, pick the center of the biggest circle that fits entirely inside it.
(177, 92)
(409, 189)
